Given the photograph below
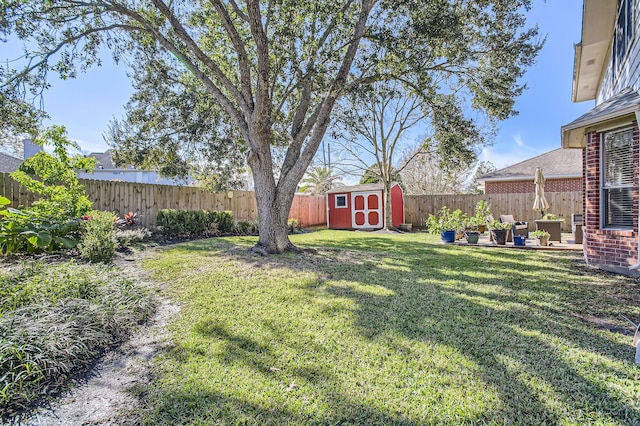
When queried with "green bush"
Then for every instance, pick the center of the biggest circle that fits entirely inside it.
(193, 223)
(53, 177)
(57, 319)
(98, 243)
(224, 221)
(23, 231)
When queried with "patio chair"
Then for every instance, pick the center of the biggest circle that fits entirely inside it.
(518, 228)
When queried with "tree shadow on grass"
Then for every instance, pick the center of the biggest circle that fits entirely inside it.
(523, 333)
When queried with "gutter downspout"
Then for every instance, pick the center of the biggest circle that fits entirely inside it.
(637, 265)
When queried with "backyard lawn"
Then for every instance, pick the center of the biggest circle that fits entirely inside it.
(366, 328)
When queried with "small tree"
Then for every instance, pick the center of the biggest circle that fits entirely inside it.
(54, 178)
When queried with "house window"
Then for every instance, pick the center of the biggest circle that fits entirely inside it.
(617, 179)
(623, 33)
(341, 201)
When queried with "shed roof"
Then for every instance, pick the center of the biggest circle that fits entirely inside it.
(9, 163)
(559, 163)
(359, 188)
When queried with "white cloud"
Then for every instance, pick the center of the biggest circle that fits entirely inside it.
(517, 138)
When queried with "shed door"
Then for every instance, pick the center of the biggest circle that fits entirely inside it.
(367, 209)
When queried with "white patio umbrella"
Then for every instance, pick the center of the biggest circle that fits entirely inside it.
(540, 203)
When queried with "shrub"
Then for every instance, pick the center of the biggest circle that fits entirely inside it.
(98, 243)
(55, 320)
(294, 226)
(128, 221)
(446, 220)
(53, 177)
(23, 231)
(224, 221)
(193, 223)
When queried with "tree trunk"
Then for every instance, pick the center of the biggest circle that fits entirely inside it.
(388, 216)
(274, 202)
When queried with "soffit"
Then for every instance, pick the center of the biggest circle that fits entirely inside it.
(592, 52)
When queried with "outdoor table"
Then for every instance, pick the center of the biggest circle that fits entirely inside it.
(551, 226)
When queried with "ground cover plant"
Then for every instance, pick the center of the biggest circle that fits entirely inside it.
(57, 319)
(366, 328)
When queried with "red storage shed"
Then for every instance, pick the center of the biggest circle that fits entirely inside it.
(362, 206)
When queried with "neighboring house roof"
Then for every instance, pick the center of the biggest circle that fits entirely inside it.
(359, 188)
(559, 163)
(9, 163)
(624, 103)
(104, 160)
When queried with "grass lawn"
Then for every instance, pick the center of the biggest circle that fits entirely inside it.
(392, 329)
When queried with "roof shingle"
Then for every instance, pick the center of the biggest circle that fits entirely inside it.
(9, 163)
(557, 163)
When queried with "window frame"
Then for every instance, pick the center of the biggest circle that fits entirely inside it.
(623, 33)
(604, 188)
(346, 203)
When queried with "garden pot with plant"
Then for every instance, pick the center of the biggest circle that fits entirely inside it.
(447, 223)
(472, 236)
(471, 231)
(499, 231)
(542, 236)
(482, 215)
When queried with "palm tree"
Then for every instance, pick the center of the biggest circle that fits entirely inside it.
(318, 181)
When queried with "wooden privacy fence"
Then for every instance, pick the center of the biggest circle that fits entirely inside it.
(563, 204)
(147, 199)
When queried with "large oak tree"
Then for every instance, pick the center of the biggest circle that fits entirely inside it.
(275, 68)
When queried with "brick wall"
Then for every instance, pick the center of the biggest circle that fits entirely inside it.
(609, 249)
(526, 186)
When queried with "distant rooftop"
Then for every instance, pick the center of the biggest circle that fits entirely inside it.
(104, 160)
(9, 163)
(559, 163)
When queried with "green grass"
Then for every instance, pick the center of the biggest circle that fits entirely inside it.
(392, 329)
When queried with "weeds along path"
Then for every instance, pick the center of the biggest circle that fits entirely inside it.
(106, 394)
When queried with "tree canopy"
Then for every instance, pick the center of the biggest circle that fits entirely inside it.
(276, 68)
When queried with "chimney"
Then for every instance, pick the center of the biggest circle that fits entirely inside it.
(30, 148)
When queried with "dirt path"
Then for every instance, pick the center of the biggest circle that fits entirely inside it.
(102, 396)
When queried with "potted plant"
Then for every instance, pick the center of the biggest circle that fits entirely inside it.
(499, 231)
(551, 216)
(446, 222)
(471, 232)
(542, 236)
(482, 215)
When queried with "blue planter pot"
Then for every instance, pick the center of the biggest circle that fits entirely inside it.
(519, 240)
(448, 236)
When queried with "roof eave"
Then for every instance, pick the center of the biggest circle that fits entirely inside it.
(591, 53)
(573, 135)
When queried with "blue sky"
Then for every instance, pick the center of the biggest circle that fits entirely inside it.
(85, 105)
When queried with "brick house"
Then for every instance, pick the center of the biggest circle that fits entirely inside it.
(562, 170)
(607, 70)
